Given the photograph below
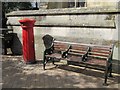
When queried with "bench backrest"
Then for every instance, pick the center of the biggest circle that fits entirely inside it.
(77, 49)
(101, 52)
(60, 46)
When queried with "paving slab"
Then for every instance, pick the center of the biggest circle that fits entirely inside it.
(17, 74)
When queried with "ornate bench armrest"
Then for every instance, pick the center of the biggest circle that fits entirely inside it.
(65, 53)
(84, 57)
(48, 50)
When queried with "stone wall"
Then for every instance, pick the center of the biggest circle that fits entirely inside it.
(84, 25)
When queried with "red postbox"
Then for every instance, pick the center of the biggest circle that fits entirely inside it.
(28, 40)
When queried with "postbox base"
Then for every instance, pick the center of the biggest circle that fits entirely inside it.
(32, 62)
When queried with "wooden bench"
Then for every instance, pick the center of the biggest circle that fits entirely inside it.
(87, 54)
(92, 55)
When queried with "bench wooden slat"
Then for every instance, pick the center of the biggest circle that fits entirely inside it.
(59, 49)
(60, 46)
(79, 48)
(106, 52)
(101, 49)
(98, 56)
(96, 62)
(98, 53)
(73, 50)
(74, 59)
(73, 53)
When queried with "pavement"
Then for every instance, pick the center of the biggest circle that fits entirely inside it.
(17, 74)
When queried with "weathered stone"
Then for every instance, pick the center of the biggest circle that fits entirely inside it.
(69, 20)
(83, 10)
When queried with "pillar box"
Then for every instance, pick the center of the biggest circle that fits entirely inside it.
(28, 40)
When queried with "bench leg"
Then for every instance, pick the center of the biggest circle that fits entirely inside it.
(105, 82)
(106, 76)
(44, 63)
(110, 69)
(44, 66)
(53, 61)
(68, 62)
